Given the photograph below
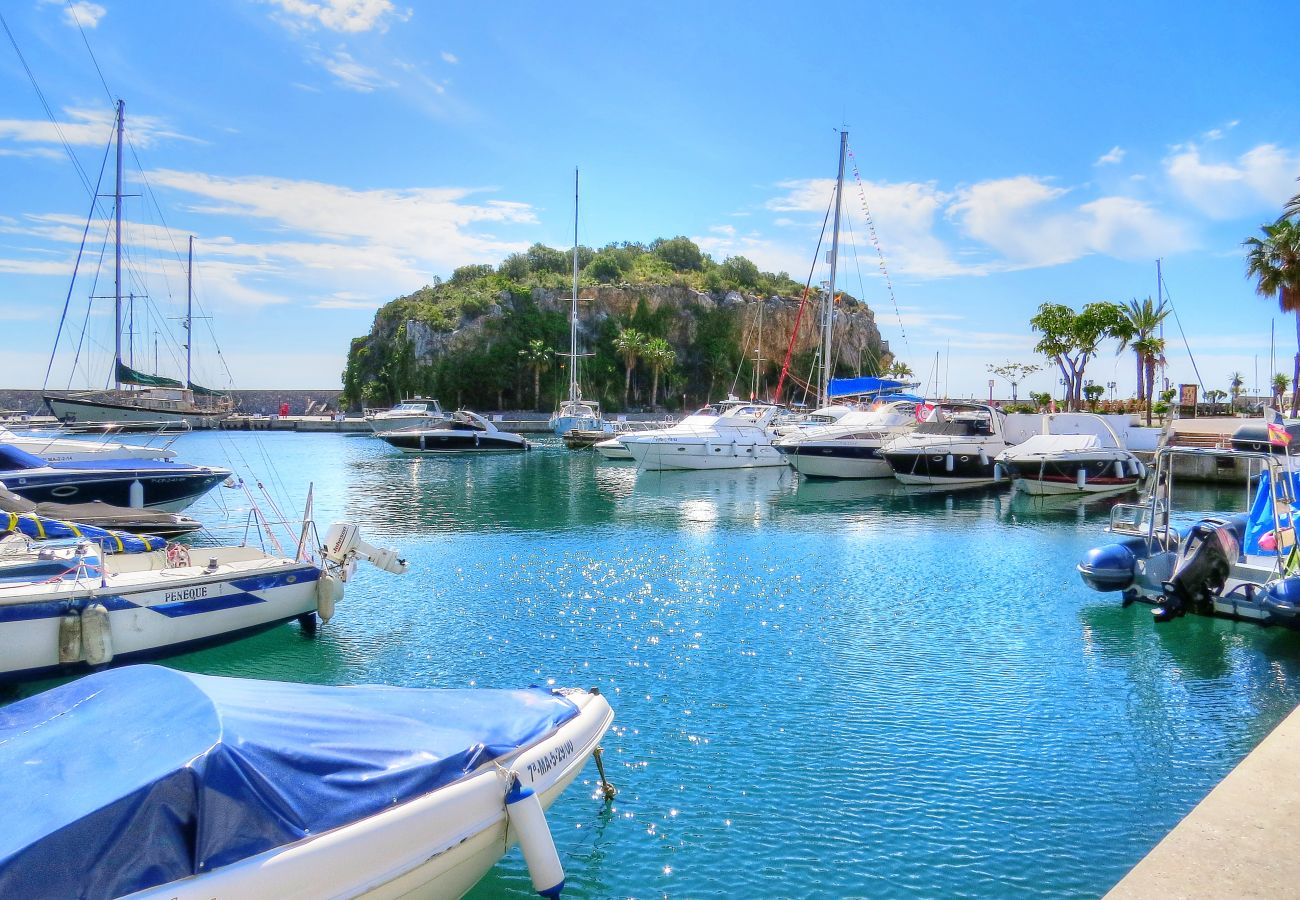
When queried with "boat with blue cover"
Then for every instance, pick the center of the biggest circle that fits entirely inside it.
(1240, 565)
(201, 786)
(139, 483)
(95, 600)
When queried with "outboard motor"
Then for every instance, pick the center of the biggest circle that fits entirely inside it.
(343, 546)
(1201, 569)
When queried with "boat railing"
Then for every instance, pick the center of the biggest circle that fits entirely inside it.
(1139, 519)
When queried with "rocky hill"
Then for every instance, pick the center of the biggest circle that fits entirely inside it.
(488, 337)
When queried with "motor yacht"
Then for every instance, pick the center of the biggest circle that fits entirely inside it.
(850, 446)
(729, 435)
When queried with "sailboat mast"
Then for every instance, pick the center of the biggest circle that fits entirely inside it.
(829, 312)
(573, 315)
(117, 255)
(189, 309)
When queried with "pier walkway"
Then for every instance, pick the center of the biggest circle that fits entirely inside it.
(1238, 842)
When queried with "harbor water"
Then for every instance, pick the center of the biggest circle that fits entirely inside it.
(821, 689)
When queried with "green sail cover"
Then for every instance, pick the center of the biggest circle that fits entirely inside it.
(200, 391)
(128, 375)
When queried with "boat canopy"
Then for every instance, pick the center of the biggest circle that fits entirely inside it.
(128, 375)
(135, 777)
(1260, 520)
(42, 528)
(845, 387)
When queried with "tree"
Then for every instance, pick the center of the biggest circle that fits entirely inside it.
(1093, 392)
(538, 357)
(1014, 373)
(606, 267)
(1236, 385)
(1151, 350)
(739, 272)
(630, 345)
(899, 371)
(661, 357)
(1280, 383)
(1274, 262)
(680, 252)
(516, 267)
(1141, 320)
(1071, 339)
(542, 258)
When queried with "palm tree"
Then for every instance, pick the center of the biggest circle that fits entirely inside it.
(900, 371)
(660, 356)
(1274, 262)
(630, 344)
(1140, 322)
(538, 356)
(1236, 384)
(1280, 384)
(1151, 351)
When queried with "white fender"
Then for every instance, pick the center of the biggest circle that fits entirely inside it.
(524, 810)
(1081, 478)
(96, 635)
(135, 495)
(329, 591)
(1119, 468)
(69, 638)
(947, 462)
(984, 458)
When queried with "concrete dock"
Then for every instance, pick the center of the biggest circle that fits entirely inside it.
(1238, 841)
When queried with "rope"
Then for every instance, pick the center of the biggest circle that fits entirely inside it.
(875, 241)
(803, 301)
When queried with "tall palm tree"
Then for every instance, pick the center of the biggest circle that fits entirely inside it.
(1140, 321)
(537, 356)
(1274, 262)
(1236, 384)
(1151, 351)
(630, 345)
(660, 356)
(900, 370)
(1280, 384)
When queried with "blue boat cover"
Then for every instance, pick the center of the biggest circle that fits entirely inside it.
(135, 777)
(1260, 521)
(845, 387)
(12, 457)
(42, 528)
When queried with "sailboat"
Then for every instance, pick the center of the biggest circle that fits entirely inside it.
(575, 413)
(139, 400)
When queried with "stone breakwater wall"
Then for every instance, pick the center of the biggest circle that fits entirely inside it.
(261, 402)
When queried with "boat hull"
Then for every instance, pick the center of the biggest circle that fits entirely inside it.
(667, 455)
(468, 442)
(827, 461)
(169, 492)
(435, 846)
(195, 608)
(612, 449)
(78, 412)
(1046, 477)
(940, 468)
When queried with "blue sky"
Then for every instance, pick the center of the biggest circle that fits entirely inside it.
(329, 155)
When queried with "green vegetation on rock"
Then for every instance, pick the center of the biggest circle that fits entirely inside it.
(476, 338)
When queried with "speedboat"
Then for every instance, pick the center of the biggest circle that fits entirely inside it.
(94, 514)
(61, 449)
(464, 432)
(1076, 453)
(613, 448)
(954, 446)
(849, 447)
(137, 483)
(728, 435)
(154, 783)
(419, 412)
(1242, 565)
(792, 423)
(76, 605)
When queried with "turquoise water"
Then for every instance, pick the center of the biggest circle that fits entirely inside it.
(821, 690)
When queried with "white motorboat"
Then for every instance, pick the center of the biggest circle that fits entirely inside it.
(463, 432)
(613, 448)
(74, 606)
(728, 435)
(140, 483)
(54, 448)
(418, 412)
(954, 447)
(188, 787)
(1076, 453)
(792, 423)
(850, 447)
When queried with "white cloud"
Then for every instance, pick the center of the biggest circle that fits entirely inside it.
(1113, 156)
(1258, 181)
(352, 74)
(450, 58)
(82, 13)
(87, 128)
(348, 16)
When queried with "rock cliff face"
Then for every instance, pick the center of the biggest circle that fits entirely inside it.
(405, 352)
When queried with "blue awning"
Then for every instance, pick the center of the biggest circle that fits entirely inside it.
(847, 387)
(136, 777)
